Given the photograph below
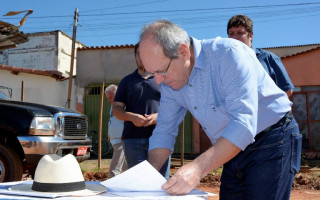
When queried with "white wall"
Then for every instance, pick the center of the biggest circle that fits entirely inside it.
(64, 54)
(104, 65)
(43, 51)
(38, 88)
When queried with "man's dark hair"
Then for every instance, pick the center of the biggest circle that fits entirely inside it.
(240, 20)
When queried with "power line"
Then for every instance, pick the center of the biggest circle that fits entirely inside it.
(126, 6)
(128, 23)
(203, 9)
(174, 11)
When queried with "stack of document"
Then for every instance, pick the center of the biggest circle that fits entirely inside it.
(142, 180)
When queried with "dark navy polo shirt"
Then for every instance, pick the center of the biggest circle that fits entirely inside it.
(140, 96)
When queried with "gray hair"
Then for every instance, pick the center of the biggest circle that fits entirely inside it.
(111, 89)
(168, 35)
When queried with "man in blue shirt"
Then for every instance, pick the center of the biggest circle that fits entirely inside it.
(137, 103)
(245, 115)
(240, 27)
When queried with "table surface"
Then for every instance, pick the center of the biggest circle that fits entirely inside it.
(107, 195)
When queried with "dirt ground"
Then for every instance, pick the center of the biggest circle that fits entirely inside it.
(306, 186)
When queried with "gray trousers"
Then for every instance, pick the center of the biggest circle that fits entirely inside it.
(118, 163)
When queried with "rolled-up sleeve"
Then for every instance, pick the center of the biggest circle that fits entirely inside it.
(239, 78)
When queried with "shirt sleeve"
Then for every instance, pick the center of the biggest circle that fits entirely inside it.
(239, 74)
(281, 76)
(275, 68)
(170, 116)
(121, 94)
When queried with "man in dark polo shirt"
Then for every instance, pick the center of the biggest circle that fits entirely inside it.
(137, 103)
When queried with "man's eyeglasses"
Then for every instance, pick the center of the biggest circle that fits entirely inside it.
(162, 73)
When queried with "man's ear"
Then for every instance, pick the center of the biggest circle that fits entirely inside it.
(251, 37)
(184, 51)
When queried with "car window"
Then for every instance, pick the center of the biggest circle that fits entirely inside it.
(3, 96)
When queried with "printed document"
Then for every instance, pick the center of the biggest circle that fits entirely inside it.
(141, 180)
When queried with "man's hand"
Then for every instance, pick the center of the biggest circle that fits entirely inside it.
(189, 176)
(184, 180)
(152, 119)
(139, 120)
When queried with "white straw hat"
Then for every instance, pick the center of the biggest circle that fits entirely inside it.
(59, 175)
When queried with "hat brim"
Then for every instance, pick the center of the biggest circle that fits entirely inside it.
(91, 189)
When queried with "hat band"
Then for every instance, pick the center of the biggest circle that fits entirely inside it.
(58, 187)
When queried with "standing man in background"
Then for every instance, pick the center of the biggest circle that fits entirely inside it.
(137, 104)
(240, 27)
(115, 127)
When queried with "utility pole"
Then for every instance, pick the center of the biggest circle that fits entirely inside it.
(22, 90)
(72, 55)
(100, 125)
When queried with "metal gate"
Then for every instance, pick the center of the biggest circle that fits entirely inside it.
(92, 110)
(306, 110)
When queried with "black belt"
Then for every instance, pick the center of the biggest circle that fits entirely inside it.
(284, 120)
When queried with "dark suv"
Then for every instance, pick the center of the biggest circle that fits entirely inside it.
(28, 131)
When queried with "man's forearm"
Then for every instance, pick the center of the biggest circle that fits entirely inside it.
(217, 155)
(121, 114)
(157, 157)
(188, 176)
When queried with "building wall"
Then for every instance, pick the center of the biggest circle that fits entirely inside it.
(38, 89)
(64, 53)
(104, 65)
(304, 68)
(44, 51)
(304, 71)
(38, 53)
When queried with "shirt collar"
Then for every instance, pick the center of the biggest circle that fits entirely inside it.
(198, 54)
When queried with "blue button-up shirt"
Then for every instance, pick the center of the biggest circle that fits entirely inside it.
(228, 92)
(273, 65)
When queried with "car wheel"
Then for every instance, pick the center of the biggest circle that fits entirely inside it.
(11, 168)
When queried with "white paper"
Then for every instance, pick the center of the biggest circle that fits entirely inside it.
(140, 178)
(29, 194)
(150, 194)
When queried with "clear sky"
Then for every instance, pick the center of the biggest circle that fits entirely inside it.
(118, 22)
